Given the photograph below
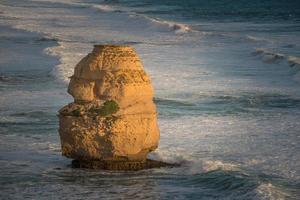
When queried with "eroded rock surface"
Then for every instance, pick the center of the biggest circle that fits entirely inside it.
(113, 117)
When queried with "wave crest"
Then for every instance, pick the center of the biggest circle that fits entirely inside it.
(105, 8)
(269, 191)
(212, 165)
(294, 61)
(256, 39)
(179, 28)
(271, 57)
(176, 27)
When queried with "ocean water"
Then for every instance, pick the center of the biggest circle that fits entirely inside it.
(227, 85)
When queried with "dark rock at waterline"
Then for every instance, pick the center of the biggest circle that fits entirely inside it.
(122, 165)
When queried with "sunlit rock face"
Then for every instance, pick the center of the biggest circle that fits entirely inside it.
(113, 117)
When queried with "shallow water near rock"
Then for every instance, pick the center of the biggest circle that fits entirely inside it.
(229, 115)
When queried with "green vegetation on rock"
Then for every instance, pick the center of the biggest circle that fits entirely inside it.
(76, 113)
(109, 107)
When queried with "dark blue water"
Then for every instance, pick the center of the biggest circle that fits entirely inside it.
(227, 85)
(221, 11)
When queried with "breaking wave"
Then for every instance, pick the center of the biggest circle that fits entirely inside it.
(225, 176)
(256, 39)
(172, 26)
(212, 165)
(176, 27)
(294, 61)
(271, 57)
(272, 192)
(105, 8)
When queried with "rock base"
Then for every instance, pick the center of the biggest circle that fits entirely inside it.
(122, 165)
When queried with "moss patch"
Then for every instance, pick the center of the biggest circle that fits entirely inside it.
(76, 113)
(108, 108)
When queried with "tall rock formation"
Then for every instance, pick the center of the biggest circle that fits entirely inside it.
(113, 119)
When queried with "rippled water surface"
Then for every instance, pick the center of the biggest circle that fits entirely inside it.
(227, 86)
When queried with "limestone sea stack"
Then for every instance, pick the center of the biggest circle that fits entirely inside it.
(112, 123)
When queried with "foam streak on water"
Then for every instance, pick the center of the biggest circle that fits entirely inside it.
(227, 91)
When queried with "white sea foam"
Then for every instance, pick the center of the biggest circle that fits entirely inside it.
(176, 27)
(212, 165)
(172, 26)
(269, 56)
(294, 61)
(67, 58)
(171, 155)
(256, 39)
(179, 28)
(194, 166)
(105, 8)
(270, 192)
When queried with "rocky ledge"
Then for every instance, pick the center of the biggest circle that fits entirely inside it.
(121, 165)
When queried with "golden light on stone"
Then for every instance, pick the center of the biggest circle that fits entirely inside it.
(113, 120)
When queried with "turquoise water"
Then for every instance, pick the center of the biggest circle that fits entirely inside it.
(226, 76)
